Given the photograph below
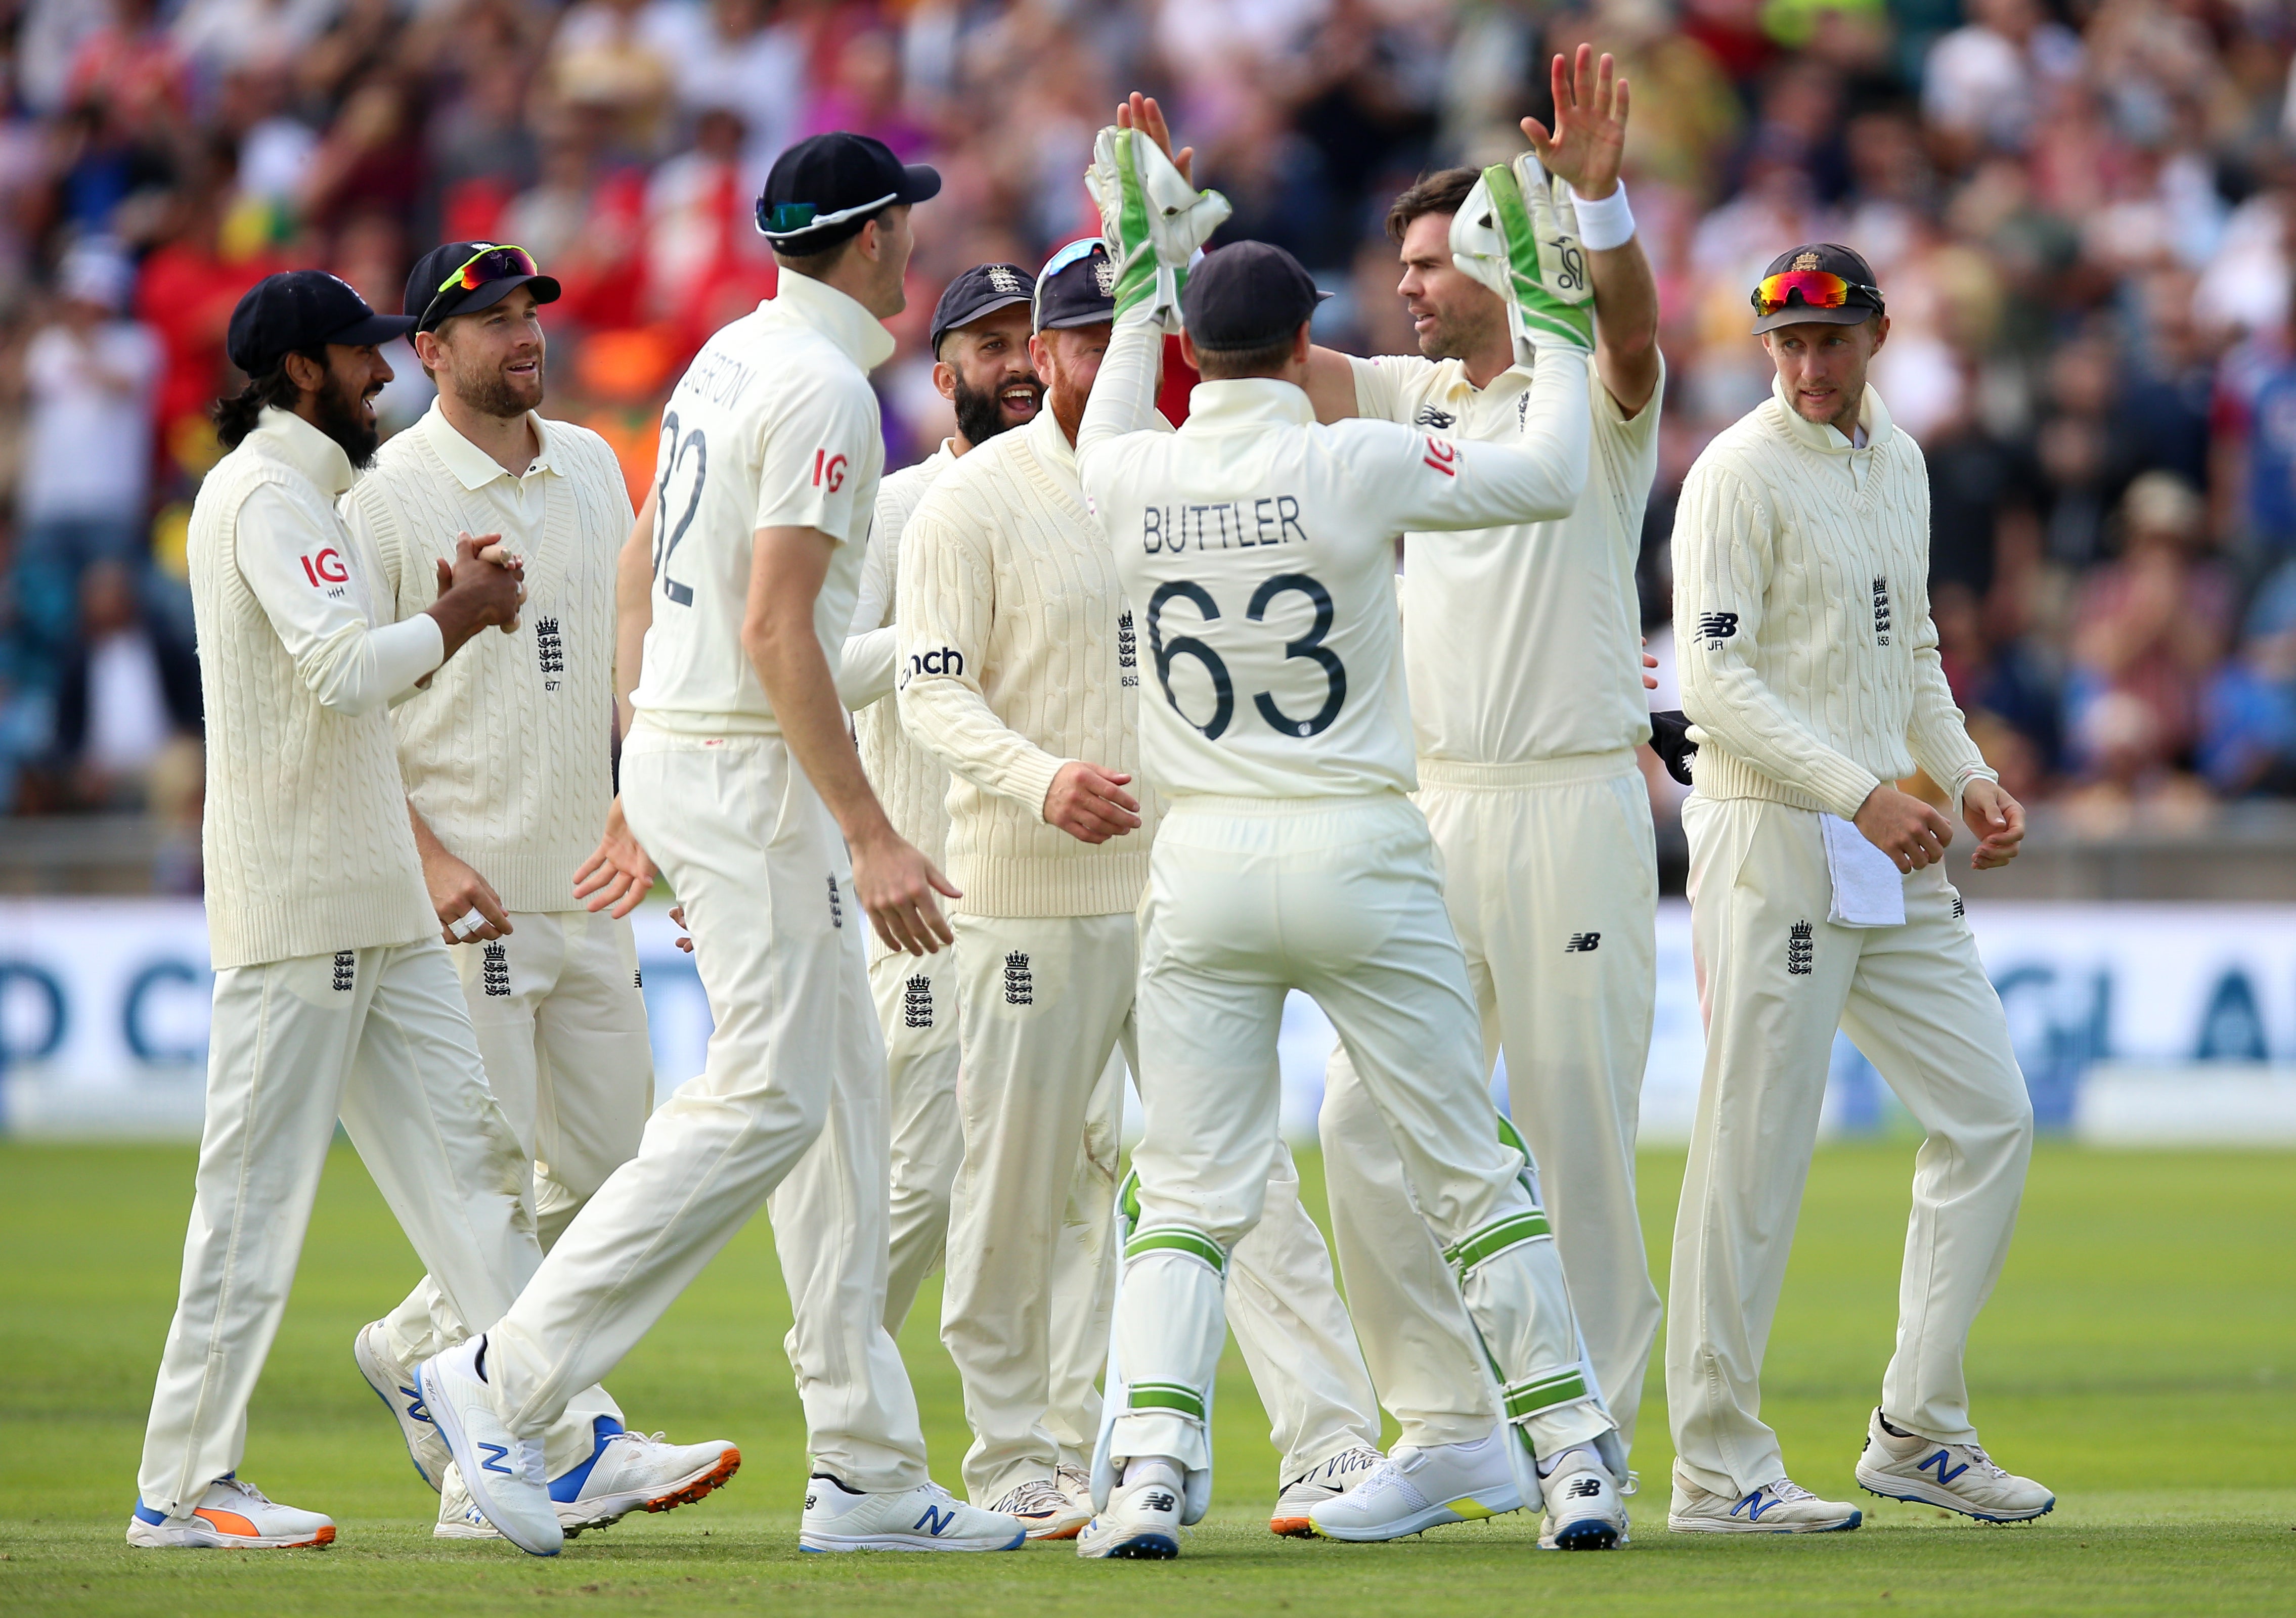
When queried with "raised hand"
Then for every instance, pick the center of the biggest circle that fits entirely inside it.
(1141, 112)
(1589, 141)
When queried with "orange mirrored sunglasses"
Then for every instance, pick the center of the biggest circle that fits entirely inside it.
(1817, 289)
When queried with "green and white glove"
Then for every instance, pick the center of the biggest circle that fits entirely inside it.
(1153, 221)
(1517, 233)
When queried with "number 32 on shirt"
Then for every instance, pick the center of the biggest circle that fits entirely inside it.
(1166, 651)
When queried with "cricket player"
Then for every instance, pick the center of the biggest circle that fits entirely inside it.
(333, 995)
(1257, 545)
(1521, 643)
(980, 343)
(740, 780)
(1818, 901)
(508, 779)
(1021, 675)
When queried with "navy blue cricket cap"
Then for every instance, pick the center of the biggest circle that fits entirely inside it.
(982, 289)
(1247, 295)
(827, 187)
(302, 309)
(1077, 287)
(464, 277)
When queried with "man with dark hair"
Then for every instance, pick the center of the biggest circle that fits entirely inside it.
(741, 780)
(1818, 902)
(333, 995)
(1523, 650)
(508, 781)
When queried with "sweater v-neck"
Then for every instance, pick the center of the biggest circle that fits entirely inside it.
(1825, 439)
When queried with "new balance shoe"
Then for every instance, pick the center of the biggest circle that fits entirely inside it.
(927, 1517)
(1783, 1507)
(1583, 1511)
(231, 1515)
(1416, 1489)
(630, 1472)
(1046, 1508)
(459, 1516)
(1901, 1466)
(501, 1471)
(393, 1382)
(1143, 1520)
(1326, 1482)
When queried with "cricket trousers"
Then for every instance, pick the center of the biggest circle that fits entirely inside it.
(791, 1106)
(1775, 979)
(1550, 875)
(1339, 898)
(561, 1021)
(1047, 1008)
(916, 1008)
(378, 1038)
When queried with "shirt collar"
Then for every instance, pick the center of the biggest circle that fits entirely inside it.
(285, 437)
(1242, 401)
(842, 320)
(1824, 437)
(472, 467)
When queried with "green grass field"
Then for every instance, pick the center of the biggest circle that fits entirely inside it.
(2140, 1357)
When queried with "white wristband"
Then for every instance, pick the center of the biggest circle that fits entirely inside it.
(1605, 222)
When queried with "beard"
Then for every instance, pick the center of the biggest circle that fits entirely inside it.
(979, 414)
(492, 394)
(343, 416)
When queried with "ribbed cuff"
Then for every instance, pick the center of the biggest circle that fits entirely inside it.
(1031, 778)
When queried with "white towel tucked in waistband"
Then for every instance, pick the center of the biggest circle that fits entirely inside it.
(1868, 888)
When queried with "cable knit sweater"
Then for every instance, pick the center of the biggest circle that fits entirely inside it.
(1802, 611)
(307, 846)
(506, 757)
(1017, 657)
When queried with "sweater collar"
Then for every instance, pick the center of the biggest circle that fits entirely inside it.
(1825, 438)
(472, 467)
(284, 437)
(1247, 401)
(837, 317)
(1051, 444)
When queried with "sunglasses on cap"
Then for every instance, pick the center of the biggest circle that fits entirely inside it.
(1818, 290)
(487, 263)
(1074, 252)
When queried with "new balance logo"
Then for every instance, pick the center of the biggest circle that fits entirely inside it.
(346, 971)
(1583, 944)
(494, 971)
(1958, 912)
(1939, 1462)
(1429, 416)
(1753, 1505)
(495, 1455)
(1801, 948)
(936, 1520)
(916, 1002)
(1020, 985)
(1161, 1501)
(1584, 1488)
(417, 1410)
(1717, 626)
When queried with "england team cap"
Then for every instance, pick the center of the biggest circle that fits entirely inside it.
(1077, 287)
(498, 270)
(302, 309)
(982, 289)
(1821, 282)
(827, 187)
(1247, 295)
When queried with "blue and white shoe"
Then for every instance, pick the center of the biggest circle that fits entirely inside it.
(230, 1516)
(1142, 1522)
(393, 1382)
(927, 1517)
(1783, 1507)
(459, 1516)
(1583, 1511)
(630, 1472)
(501, 1471)
(1901, 1466)
(1415, 1489)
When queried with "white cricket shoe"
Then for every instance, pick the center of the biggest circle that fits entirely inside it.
(1901, 1466)
(459, 1516)
(1783, 1507)
(1045, 1508)
(1583, 1511)
(393, 1382)
(1416, 1489)
(927, 1517)
(501, 1471)
(1143, 1519)
(1075, 1485)
(630, 1472)
(1328, 1481)
(230, 1515)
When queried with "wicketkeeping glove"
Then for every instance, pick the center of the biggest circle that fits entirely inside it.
(1671, 740)
(1519, 237)
(1152, 220)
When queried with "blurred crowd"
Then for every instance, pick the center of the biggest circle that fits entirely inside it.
(2083, 213)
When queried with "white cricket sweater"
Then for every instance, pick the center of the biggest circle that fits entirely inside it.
(507, 756)
(305, 838)
(1017, 657)
(1802, 612)
(908, 780)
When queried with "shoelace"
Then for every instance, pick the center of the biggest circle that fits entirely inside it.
(1985, 1463)
(1786, 1489)
(241, 1486)
(1037, 1496)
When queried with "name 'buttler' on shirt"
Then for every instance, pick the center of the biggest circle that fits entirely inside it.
(1230, 525)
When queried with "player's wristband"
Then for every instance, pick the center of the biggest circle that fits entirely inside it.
(1606, 223)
